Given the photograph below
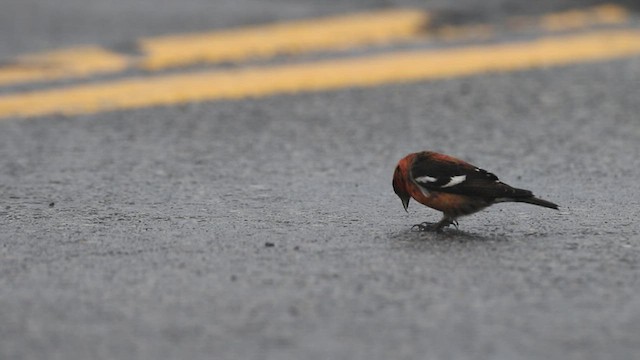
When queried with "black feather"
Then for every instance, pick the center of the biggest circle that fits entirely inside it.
(535, 201)
(478, 182)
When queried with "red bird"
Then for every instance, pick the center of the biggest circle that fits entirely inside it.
(452, 186)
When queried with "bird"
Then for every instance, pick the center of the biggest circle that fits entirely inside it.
(453, 186)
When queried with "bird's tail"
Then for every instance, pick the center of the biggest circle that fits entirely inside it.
(535, 201)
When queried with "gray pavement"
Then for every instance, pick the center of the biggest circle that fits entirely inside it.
(268, 228)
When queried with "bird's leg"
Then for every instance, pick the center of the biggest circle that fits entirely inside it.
(445, 222)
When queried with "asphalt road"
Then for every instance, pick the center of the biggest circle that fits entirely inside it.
(267, 228)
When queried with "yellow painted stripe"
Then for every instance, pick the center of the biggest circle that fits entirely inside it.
(464, 32)
(53, 65)
(332, 33)
(336, 33)
(325, 75)
(579, 19)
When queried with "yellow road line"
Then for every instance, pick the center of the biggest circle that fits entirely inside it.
(325, 75)
(53, 65)
(579, 19)
(466, 32)
(605, 14)
(293, 37)
(343, 32)
(330, 33)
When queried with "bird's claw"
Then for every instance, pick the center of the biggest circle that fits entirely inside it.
(426, 226)
(437, 227)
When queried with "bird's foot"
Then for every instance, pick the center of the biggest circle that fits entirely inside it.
(437, 227)
(425, 226)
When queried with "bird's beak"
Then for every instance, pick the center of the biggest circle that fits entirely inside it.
(405, 203)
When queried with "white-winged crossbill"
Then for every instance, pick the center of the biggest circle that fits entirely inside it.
(453, 186)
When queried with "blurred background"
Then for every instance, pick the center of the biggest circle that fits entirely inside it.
(33, 25)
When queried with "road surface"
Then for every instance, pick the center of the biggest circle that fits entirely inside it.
(200, 225)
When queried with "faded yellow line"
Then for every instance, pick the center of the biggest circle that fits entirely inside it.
(75, 62)
(336, 33)
(466, 32)
(293, 37)
(578, 19)
(330, 33)
(325, 75)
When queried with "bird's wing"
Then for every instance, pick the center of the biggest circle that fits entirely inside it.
(450, 175)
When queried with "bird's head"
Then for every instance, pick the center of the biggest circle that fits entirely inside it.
(400, 184)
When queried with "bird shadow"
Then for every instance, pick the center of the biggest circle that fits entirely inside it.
(448, 234)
